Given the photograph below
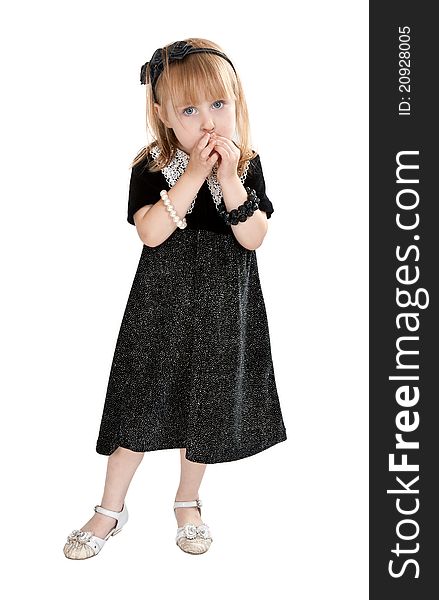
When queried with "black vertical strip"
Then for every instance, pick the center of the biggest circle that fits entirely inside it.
(404, 312)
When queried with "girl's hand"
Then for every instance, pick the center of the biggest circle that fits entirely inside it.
(200, 162)
(230, 155)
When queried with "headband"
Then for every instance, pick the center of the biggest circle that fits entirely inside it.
(176, 51)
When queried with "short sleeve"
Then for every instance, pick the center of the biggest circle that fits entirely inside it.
(256, 181)
(145, 188)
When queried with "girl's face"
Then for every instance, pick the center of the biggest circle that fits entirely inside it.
(190, 123)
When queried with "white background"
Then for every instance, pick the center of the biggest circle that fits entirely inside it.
(292, 521)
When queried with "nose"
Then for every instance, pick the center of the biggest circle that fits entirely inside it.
(208, 125)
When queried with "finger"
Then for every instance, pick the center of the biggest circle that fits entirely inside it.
(222, 144)
(222, 138)
(227, 144)
(203, 141)
(207, 150)
(222, 151)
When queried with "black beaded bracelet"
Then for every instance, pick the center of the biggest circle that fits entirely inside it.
(240, 214)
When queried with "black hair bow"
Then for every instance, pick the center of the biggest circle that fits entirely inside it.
(176, 51)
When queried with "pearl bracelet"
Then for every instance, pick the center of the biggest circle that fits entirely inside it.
(171, 209)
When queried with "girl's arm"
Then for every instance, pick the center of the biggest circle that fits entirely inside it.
(249, 233)
(153, 223)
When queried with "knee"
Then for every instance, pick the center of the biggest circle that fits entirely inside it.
(125, 453)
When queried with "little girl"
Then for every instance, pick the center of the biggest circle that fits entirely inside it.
(192, 367)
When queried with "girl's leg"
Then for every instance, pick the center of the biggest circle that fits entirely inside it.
(190, 479)
(121, 466)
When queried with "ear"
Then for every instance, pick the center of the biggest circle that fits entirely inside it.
(160, 114)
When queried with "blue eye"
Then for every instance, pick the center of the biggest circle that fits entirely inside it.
(184, 112)
(192, 107)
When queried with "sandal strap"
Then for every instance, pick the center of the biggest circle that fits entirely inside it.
(109, 513)
(188, 503)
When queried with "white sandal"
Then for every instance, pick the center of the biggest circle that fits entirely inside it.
(83, 544)
(193, 539)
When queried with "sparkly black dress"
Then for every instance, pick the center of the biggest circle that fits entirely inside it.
(192, 366)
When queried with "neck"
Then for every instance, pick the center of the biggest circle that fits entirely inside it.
(178, 146)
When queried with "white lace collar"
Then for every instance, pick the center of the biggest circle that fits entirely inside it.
(177, 167)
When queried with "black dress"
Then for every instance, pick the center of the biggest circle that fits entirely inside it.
(192, 366)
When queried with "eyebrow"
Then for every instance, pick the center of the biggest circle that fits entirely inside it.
(189, 104)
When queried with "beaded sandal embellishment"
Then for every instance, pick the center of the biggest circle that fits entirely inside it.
(191, 538)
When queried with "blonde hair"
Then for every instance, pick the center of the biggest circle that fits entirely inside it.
(187, 82)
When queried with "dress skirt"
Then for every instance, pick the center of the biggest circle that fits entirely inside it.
(192, 367)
